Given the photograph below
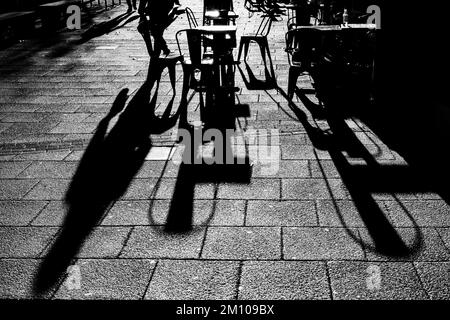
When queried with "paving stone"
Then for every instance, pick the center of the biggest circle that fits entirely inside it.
(302, 152)
(283, 280)
(52, 215)
(239, 243)
(17, 277)
(156, 169)
(431, 213)
(445, 235)
(74, 156)
(28, 128)
(122, 279)
(290, 139)
(49, 169)
(74, 127)
(104, 242)
(320, 244)
(19, 213)
(312, 189)
(204, 212)
(281, 213)
(159, 153)
(49, 189)
(15, 189)
(134, 212)
(24, 242)
(282, 169)
(358, 280)
(342, 213)
(435, 277)
(155, 242)
(194, 280)
(256, 189)
(12, 169)
(323, 168)
(423, 245)
(144, 189)
(44, 155)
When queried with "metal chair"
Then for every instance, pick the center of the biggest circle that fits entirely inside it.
(303, 50)
(192, 20)
(204, 73)
(260, 36)
(197, 70)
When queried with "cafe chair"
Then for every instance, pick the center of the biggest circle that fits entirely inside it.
(260, 38)
(219, 12)
(197, 70)
(302, 47)
(162, 61)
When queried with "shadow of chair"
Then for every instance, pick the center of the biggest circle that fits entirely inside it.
(362, 182)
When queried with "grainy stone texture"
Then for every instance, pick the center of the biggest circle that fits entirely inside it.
(301, 226)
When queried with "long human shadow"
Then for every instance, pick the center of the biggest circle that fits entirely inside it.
(361, 183)
(106, 27)
(104, 173)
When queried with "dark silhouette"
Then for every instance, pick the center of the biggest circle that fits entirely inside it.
(108, 165)
(161, 15)
(106, 27)
(131, 5)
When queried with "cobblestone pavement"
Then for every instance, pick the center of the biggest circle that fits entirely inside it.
(298, 234)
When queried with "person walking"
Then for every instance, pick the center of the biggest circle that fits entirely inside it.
(131, 5)
(160, 15)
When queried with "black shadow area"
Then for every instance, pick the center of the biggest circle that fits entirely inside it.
(105, 171)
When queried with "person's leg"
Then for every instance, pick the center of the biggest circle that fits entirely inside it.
(160, 44)
(142, 7)
(129, 5)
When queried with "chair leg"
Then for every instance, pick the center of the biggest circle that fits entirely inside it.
(241, 45)
(183, 102)
(266, 46)
(294, 73)
(247, 45)
(172, 76)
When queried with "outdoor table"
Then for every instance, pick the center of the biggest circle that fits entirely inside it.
(338, 44)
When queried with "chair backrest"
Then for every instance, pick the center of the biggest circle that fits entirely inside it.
(303, 44)
(191, 18)
(195, 50)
